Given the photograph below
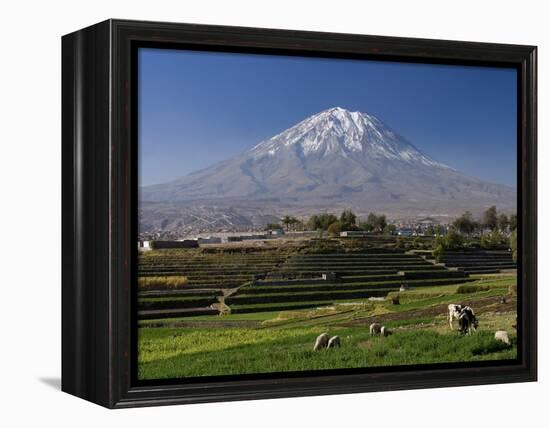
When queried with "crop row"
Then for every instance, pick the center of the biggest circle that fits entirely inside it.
(374, 289)
(174, 302)
(174, 313)
(205, 274)
(343, 279)
(466, 257)
(243, 258)
(360, 268)
(181, 293)
(467, 264)
(355, 263)
(430, 274)
(307, 296)
(273, 307)
(207, 265)
(355, 257)
(290, 271)
(329, 287)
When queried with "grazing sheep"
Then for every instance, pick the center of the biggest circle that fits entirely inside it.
(375, 329)
(334, 342)
(395, 300)
(321, 342)
(403, 287)
(502, 336)
(385, 331)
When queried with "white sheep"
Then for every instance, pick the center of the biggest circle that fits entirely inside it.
(375, 329)
(502, 336)
(334, 342)
(321, 342)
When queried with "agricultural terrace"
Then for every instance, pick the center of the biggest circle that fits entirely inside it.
(235, 309)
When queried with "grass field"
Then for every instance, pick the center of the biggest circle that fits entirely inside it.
(282, 340)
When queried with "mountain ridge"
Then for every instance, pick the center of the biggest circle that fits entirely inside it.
(350, 127)
(334, 158)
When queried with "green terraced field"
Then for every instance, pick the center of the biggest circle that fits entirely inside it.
(282, 340)
(282, 276)
(348, 284)
(254, 311)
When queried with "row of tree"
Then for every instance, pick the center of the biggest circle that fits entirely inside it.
(288, 223)
(348, 221)
(490, 220)
(334, 225)
(494, 239)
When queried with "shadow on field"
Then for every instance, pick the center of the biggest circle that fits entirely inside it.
(494, 346)
(52, 382)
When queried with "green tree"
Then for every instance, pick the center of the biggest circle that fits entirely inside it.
(327, 220)
(378, 222)
(298, 224)
(335, 228)
(503, 222)
(494, 239)
(313, 223)
(321, 221)
(513, 221)
(490, 219)
(347, 220)
(382, 223)
(293, 222)
(286, 221)
(451, 241)
(465, 223)
(366, 226)
(439, 230)
(390, 229)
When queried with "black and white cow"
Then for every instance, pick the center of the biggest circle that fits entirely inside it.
(467, 321)
(375, 329)
(454, 312)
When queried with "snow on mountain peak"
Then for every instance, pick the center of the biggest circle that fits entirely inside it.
(338, 131)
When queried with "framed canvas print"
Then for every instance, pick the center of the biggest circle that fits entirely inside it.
(253, 213)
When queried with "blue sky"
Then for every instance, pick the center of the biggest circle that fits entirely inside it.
(197, 108)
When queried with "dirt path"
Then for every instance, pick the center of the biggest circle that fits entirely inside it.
(487, 304)
(222, 306)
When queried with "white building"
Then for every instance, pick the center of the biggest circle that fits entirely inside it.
(354, 234)
(144, 245)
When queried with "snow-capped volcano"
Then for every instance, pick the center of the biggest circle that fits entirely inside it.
(335, 158)
(338, 131)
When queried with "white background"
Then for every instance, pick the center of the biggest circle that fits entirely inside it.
(30, 175)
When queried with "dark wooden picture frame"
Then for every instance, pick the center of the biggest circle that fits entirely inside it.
(99, 192)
